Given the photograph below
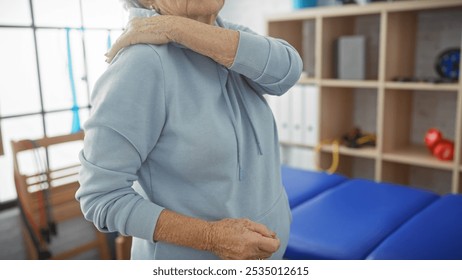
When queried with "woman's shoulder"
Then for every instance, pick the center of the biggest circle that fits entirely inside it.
(140, 55)
(149, 57)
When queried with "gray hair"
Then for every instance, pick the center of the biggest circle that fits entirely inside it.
(131, 4)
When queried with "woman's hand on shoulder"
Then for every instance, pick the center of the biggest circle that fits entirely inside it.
(154, 30)
(242, 239)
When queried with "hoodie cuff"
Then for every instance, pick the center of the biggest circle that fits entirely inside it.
(252, 55)
(143, 220)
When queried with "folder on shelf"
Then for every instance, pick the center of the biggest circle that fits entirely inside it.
(310, 128)
(300, 158)
(284, 125)
(297, 113)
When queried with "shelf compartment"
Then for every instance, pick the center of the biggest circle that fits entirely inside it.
(343, 109)
(409, 114)
(419, 156)
(436, 180)
(301, 34)
(335, 27)
(351, 166)
(416, 38)
(290, 31)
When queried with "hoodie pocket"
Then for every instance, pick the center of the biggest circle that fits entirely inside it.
(278, 219)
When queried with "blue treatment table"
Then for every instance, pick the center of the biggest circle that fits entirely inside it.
(339, 218)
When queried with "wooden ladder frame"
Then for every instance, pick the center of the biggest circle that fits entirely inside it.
(61, 200)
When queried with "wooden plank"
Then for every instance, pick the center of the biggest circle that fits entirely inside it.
(318, 48)
(296, 145)
(349, 83)
(23, 145)
(381, 95)
(365, 152)
(457, 175)
(372, 8)
(417, 155)
(123, 247)
(307, 81)
(422, 86)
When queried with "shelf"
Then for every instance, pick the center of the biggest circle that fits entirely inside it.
(366, 152)
(422, 86)
(307, 81)
(372, 8)
(403, 38)
(295, 145)
(417, 155)
(349, 83)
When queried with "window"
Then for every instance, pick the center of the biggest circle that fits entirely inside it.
(53, 56)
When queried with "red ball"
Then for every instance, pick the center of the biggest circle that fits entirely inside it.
(432, 138)
(444, 150)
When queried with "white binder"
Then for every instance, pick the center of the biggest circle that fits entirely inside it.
(297, 113)
(284, 125)
(310, 119)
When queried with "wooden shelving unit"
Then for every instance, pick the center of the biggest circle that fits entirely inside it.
(391, 52)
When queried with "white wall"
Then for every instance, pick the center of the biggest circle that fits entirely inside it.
(252, 13)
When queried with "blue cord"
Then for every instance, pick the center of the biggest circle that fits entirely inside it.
(75, 107)
(109, 42)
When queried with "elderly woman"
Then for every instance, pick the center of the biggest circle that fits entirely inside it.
(184, 116)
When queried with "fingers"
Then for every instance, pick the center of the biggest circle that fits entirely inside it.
(261, 229)
(116, 47)
(268, 245)
(124, 39)
(242, 239)
(267, 241)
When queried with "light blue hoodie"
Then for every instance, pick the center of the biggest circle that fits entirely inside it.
(199, 139)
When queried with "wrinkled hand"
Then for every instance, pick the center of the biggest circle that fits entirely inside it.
(242, 239)
(152, 30)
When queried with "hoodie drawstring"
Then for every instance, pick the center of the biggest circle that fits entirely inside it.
(223, 76)
(226, 87)
(246, 110)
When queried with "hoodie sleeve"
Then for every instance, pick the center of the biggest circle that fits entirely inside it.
(270, 65)
(128, 113)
